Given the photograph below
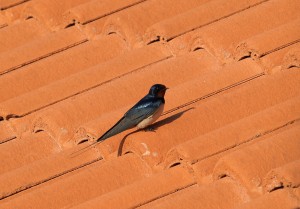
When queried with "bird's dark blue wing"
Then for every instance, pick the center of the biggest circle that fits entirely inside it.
(142, 110)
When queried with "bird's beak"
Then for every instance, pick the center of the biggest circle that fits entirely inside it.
(166, 88)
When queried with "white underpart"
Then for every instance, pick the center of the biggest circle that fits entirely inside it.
(151, 119)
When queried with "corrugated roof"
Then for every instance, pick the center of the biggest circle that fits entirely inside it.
(229, 135)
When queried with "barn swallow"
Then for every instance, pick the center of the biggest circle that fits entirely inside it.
(141, 115)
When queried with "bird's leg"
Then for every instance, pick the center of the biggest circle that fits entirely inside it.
(150, 128)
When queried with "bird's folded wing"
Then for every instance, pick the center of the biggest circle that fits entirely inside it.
(141, 111)
(133, 117)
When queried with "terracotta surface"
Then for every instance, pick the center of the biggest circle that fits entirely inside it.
(230, 133)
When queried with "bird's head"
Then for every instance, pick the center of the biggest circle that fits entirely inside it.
(158, 90)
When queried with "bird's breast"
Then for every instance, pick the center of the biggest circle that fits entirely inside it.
(151, 119)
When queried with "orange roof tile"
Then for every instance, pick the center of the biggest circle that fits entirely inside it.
(234, 134)
(50, 13)
(2, 21)
(203, 15)
(6, 4)
(250, 164)
(285, 176)
(229, 133)
(94, 10)
(40, 49)
(223, 46)
(10, 36)
(84, 184)
(143, 191)
(279, 199)
(67, 62)
(224, 193)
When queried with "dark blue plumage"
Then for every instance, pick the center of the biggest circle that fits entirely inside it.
(145, 108)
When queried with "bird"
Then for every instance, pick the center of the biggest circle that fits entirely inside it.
(141, 115)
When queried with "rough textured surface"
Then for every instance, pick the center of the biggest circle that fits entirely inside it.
(229, 136)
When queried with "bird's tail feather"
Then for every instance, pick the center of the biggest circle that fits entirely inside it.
(122, 125)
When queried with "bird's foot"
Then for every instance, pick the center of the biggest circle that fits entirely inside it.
(150, 128)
